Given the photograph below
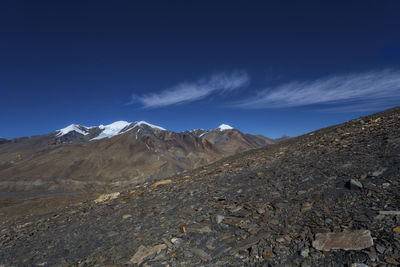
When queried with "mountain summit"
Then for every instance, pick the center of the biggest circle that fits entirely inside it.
(104, 131)
(223, 127)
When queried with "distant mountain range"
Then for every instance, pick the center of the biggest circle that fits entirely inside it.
(85, 158)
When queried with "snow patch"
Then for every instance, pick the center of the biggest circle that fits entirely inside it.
(71, 128)
(151, 125)
(202, 134)
(111, 130)
(224, 127)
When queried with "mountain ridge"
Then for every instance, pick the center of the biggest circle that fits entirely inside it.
(92, 158)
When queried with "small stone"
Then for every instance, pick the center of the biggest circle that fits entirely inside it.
(358, 265)
(396, 229)
(386, 185)
(268, 254)
(306, 206)
(304, 252)
(372, 254)
(377, 173)
(195, 228)
(176, 241)
(355, 185)
(232, 221)
(355, 240)
(260, 210)
(219, 218)
(254, 251)
(182, 228)
(280, 240)
(236, 209)
(288, 238)
(162, 182)
(107, 197)
(112, 233)
(392, 261)
(379, 217)
(380, 248)
(169, 244)
(126, 216)
(201, 254)
(389, 212)
(210, 244)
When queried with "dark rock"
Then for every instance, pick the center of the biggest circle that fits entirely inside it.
(354, 184)
(201, 254)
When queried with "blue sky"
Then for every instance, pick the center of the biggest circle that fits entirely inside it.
(264, 67)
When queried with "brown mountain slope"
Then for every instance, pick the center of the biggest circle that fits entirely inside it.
(230, 140)
(144, 153)
(234, 141)
(270, 206)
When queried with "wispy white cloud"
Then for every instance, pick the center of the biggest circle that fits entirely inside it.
(191, 91)
(353, 92)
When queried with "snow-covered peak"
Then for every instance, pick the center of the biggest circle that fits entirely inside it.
(73, 127)
(111, 130)
(150, 125)
(223, 127)
(108, 130)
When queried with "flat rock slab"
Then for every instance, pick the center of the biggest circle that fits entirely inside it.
(195, 228)
(201, 254)
(145, 252)
(107, 197)
(162, 182)
(355, 240)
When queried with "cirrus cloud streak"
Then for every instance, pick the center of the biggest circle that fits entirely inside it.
(192, 91)
(352, 92)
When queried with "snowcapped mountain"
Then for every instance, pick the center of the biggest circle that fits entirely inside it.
(73, 128)
(230, 140)
(104, 131)
(224, 127)
(201, 132)
(84, 158)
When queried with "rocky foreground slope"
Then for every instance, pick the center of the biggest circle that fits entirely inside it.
(328, 198)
